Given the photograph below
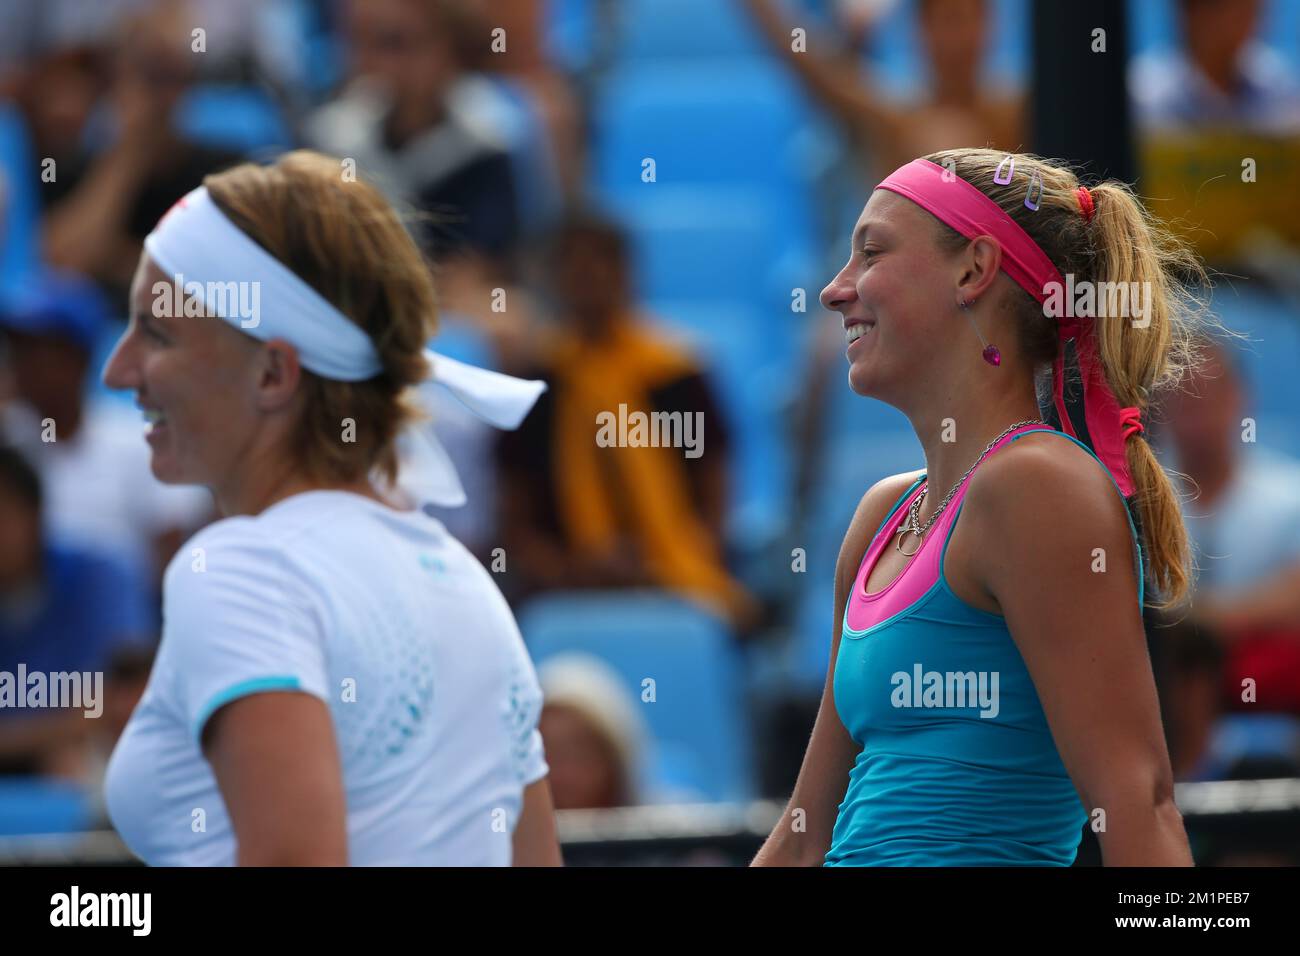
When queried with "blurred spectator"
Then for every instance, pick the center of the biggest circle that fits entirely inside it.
(576, 514)
(1244, 522)
(959, 108)
(102, 202)
(33, 28)
(1221, 76)
(405, 121)
(61, 610)
(548, 123)
(595, 739)
(91, 455)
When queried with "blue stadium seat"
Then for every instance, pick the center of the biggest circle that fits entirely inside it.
(737, 125)
(853, 464)
(752, 383)
(691, 244)
(239, 118)
(1269, 360)
(571, 32)
(30, 805)
(1243, 737)
(704, 247)
(685, 29)
(699, 708)
(18, 202)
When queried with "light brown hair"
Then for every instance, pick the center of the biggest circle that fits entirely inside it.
(345, 241)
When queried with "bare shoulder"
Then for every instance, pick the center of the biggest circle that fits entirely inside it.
(1043, 470)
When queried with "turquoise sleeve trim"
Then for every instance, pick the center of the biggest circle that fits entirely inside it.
(255, 685)
(1137, 543)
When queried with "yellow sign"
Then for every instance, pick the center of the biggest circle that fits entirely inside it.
(1223, 188)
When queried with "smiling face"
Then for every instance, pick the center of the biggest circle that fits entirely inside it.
(199, 381)
(896, 295)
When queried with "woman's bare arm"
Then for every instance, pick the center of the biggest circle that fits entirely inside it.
(836, 82)
(534, 841)
(277, 765)
(1049, 519)
(803, 834)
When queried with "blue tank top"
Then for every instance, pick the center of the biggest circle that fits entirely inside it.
(958, 766)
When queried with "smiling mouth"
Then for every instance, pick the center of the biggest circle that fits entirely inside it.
(857, 330)
(153, 419)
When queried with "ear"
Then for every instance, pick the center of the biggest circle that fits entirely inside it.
(978, 267)
(278, 375)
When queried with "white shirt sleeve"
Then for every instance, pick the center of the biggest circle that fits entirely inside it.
(237, 621)
(527, 752)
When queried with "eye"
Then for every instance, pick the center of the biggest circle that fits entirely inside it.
(151, 331)
(868, 252)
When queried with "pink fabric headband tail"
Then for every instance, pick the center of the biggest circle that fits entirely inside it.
(958, 204)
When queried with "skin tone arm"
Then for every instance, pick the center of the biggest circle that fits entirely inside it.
(803, 834)
(86, 231)
(837, 83)
(1081, 636)
(534, 842)
(283, 790)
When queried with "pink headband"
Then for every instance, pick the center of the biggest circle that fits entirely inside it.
(958, 204)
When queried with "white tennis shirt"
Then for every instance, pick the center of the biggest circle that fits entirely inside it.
(387, 618)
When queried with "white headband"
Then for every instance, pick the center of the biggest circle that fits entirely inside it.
(207, 256)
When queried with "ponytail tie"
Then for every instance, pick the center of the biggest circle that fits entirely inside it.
(1130, 422)
(1086, 204)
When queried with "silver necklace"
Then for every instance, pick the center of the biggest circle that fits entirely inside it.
(913, 526)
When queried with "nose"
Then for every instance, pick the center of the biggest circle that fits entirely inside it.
(839, 293)
(121, 371)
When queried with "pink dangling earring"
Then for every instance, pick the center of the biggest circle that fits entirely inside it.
(991, 353)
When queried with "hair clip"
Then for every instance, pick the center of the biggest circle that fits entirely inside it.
(1035, 180)
(1011, 168)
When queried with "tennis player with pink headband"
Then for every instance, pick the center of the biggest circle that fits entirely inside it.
(989, 690)
(339, 679)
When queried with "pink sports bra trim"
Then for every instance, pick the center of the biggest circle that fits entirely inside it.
(921, 573)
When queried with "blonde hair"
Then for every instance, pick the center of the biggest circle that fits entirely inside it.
(345, 241)
(1122, 243)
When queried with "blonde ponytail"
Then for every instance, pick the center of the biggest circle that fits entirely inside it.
(1147, 356)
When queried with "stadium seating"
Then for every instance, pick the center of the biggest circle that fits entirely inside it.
(1269, 360)
(38, 805)
(18, 201)
(239, 118)
(698, 716)
(684, 30)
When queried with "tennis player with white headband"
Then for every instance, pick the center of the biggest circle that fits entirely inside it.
(989, 692)
(339, 680)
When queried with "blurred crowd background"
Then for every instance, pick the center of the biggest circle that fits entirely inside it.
(639, 201)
